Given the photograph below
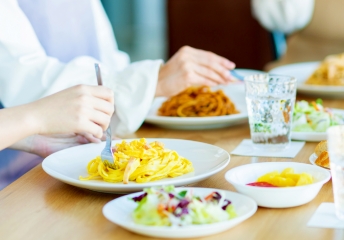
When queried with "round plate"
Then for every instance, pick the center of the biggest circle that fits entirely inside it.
(312, 159)
(302, 71)
(236, 92)
(67, 165)
(119, 212)
(313, 136)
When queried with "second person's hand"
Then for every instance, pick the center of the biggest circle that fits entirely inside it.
(193, 67)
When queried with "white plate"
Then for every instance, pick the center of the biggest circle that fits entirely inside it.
(236, 92)
(312, 159)
(302, 71)
(313, 136)
(119, 212)
(309, 136)
(67, 165)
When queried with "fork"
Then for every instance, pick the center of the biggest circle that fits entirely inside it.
(107, 154)
(237, 75)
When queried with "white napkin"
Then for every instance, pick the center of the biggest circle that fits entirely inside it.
(325, 217)
(245, 148)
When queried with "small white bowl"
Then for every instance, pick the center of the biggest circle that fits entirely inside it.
(279, 197)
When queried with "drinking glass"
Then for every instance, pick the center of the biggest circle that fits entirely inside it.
(270, 102)
(335, 145)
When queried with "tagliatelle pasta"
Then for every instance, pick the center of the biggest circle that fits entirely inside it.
(330, 72)
(198, 102)
(139, 161)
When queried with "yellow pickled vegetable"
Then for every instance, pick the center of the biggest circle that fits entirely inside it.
(287, 178)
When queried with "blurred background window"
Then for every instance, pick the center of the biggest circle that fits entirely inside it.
(139, 27)
(156, 29)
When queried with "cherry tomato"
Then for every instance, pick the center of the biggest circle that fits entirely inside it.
(260, 184)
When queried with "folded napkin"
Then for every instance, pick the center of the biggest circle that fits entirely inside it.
(325, 217)
(245, 148)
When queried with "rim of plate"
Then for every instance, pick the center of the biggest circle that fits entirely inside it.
(307, 87)
(322, 182)
(195, 120)
(139, 227)
(119, 186)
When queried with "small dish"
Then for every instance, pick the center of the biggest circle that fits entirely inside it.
(282, 197)
(119, 212)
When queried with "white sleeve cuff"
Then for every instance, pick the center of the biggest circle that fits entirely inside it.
(134, 90)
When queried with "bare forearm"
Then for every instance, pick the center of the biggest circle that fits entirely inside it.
(16, 123)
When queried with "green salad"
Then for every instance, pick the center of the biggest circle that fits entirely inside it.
(313, 117)
(167, 206)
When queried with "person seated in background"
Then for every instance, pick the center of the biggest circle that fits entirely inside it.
(314, 29)
(48, 46)
(84, 111)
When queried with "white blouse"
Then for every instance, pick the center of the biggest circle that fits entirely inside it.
(286, 16)
(28, 73)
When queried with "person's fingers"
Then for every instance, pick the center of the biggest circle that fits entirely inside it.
(103, 106)
(89, 128)
(100, 118)
(103, 93)
(90, 138)
(210, 56)
(96, 91)
(82, 139)
(209, 74)
(215, 66)
(200, 80)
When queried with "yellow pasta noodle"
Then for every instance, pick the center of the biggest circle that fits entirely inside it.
(330, 72)
(139, 161)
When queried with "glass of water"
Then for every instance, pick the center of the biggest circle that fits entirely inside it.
(270, 102)
(335, 145)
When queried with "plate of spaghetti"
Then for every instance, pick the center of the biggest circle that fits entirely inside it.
(320, 79)
(202, 107)
(138, 164)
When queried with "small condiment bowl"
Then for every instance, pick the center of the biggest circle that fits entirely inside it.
(277, 197)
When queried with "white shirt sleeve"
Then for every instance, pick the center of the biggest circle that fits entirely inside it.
(286, 16)
(27, 73)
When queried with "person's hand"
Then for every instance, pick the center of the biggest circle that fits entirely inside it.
(44, 145)
(192, 67)
(82, 109)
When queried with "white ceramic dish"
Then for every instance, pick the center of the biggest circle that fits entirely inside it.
(119, 212)
(302, 71)
(236, 92)
(67, 165)
(313, 136)
(312, 159)
(308, 136)
(277, 197)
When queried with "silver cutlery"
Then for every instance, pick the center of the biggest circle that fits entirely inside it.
(107, 154)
